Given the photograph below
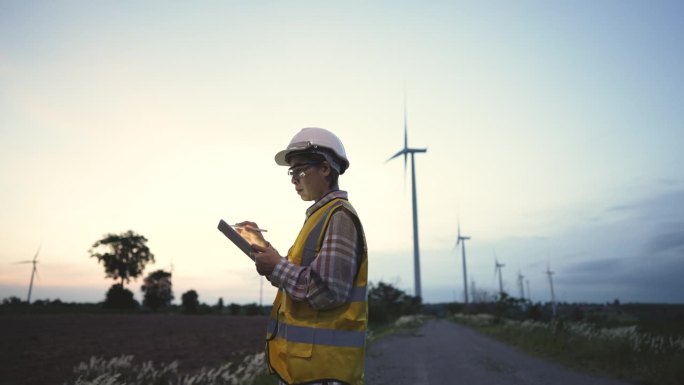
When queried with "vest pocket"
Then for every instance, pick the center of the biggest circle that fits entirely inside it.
(298, 349)
(299, 341)
(299, 335)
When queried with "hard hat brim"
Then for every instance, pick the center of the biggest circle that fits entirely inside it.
(280, 157)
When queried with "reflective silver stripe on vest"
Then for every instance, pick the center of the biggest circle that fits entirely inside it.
(317, 336)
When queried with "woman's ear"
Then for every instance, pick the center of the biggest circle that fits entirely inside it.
(325, 167)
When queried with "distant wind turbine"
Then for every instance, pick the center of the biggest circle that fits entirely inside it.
(416, 249)
(497, 269)
(553, 296)
(170, 266)
(34, 272)
(520, 285)
(461, 240)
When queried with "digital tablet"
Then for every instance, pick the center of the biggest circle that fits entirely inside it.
(236, 238)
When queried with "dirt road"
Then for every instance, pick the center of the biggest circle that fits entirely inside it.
(442, 352)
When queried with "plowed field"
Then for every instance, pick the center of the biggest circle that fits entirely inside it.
(43, 349)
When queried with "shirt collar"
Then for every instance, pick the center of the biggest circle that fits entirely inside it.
(326, 198)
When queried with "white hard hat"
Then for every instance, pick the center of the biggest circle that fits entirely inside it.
(316, 140)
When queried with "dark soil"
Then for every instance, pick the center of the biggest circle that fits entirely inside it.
(43, 349)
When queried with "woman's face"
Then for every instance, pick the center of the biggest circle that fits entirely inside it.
(309, 177)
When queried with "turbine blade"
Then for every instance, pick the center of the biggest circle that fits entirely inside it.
(22, 262)
(36, 256)
(403, 151)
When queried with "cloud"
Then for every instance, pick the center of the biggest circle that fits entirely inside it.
(660, 243)
(635, 253)
(621, 208)
(594, 267)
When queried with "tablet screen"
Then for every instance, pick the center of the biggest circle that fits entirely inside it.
(236, 238)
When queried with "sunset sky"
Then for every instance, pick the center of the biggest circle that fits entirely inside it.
(555, 135)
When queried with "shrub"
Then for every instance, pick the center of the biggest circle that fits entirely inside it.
(253, 309)
(387, 303)
(234, 309)
(119, 297)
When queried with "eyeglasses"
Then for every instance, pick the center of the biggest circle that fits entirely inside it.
(298, 171)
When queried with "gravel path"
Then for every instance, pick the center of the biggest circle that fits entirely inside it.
(442, 352)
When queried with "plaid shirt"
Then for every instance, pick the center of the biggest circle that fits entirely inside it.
(328, 281)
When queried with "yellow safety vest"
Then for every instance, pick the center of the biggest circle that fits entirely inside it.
(305, 344)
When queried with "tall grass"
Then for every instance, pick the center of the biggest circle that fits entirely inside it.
(121, 370)
(622, 352)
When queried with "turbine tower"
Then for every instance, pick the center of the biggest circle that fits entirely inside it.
(553, 296)
(497, 269)
(520, 285)
(406, 151)
(34, 272)
(461, 239)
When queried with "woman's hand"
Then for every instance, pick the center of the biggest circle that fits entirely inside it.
(247, 230)
(266, 259)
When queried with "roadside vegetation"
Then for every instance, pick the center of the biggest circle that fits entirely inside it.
(638, 343)
(122, 370)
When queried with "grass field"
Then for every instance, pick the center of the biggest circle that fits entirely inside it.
(625, 352)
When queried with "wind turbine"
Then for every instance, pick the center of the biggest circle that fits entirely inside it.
(520, 285)
(497, 269)
(170, 266)
(529, 293)
(416, 249)
(461, 239)
(553, 296)
(34, 272)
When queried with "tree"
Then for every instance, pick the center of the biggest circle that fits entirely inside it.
(387, 303)
(12, 301)
(190, 301)
(480, 295)
(124, 256)
(157, 289)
